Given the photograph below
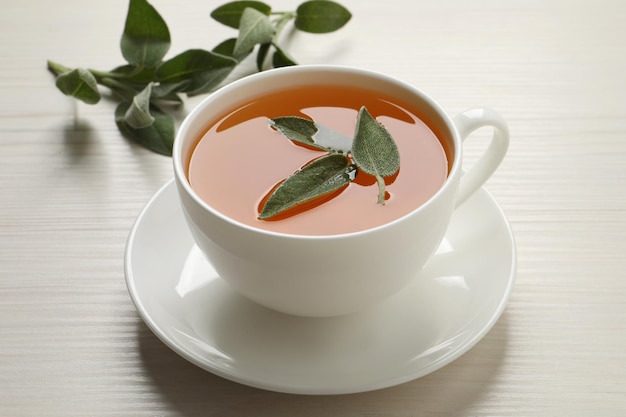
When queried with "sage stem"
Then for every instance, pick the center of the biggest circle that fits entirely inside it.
(281, 22)
(381, 189)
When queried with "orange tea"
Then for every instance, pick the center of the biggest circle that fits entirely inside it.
(241, 158)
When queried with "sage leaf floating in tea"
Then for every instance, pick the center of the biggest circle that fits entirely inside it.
(297, 129)
(316, 179)
(312, 134)
(374, 151)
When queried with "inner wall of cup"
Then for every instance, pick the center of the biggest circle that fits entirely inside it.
(240, 92)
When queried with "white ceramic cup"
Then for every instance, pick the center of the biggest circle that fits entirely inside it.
(358, 269)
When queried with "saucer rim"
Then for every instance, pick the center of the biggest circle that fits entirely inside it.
(239, 377)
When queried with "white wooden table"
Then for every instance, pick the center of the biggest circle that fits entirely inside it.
(71, 341)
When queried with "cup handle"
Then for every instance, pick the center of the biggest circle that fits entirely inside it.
(466, 123)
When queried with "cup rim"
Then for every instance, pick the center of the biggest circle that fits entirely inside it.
(181, 138)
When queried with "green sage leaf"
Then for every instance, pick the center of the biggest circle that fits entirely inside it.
(312, 134)
(262, 54)
(321, 16)
(229, 14)
(203, 70)
(281, 58)
(146, 37)
(227, 48)
(297, 129)
(56, 68)
(317, 179)
(133, 74)
(374, 151)
(255, 28)
(138, 114)
(169, 91)
(158, 137)
(80, 84)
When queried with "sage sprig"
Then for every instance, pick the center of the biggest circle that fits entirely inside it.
(373, 151)
(148, 86)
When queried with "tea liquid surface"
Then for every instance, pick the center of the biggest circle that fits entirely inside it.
(241, 158)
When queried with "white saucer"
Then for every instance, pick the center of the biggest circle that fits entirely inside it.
(452, 304)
